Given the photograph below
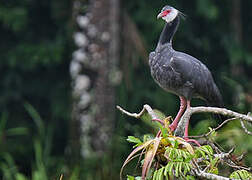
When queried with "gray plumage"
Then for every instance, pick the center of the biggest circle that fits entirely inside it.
(181, 73)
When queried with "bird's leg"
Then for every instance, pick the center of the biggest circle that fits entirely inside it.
(187, 124)
(182, 108)
(159, 133)
(186, 129)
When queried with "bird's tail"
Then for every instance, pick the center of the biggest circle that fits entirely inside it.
(215, 100)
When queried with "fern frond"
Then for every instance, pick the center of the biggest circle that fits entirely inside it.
(159, 174)
(203, 150)
(174, 154)
(176, 168)
(241, 174)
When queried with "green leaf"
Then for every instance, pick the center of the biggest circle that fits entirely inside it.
(203, 150)
(147, 137)
(214, 161)
(214, 170)
(20, 176)
(188, 177)
(241, 174)
(36, 118)
(170, 168)
(177, 169)
(16, 131)
(174, 142)
(155, 175)
(179, 154)
(133, 139)
(180, 167)
(160, 176)
(166, 169)
(130, 177)
(188, 167)
(164, 131)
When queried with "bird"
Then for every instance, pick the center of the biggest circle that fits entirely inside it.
(181, 73)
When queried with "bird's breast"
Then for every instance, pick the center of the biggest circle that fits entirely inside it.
(163, 72)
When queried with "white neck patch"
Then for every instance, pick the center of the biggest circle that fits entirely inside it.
(171, 16)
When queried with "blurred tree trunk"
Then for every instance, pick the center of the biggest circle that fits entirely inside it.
(94, 74)
(235, 19)
(236, 29)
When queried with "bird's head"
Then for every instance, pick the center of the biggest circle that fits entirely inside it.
(169, 13)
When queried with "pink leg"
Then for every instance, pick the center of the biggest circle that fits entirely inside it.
(159, 133)
(187, 124)
(186, 129)
(182, 108)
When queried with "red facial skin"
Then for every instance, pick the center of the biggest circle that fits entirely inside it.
(164, 13)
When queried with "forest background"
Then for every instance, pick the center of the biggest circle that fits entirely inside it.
(38, 121)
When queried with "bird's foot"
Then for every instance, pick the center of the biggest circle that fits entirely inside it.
(192, 140)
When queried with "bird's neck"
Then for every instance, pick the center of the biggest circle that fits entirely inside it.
(168, 31)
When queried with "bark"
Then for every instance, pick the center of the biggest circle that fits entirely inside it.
(94, 74)
(235, 20)
(236, 28)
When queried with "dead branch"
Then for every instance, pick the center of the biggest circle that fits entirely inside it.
(244, 128)
(207, 134)
(223, 111)
(203, 174)
(146, 108)
(189, 112)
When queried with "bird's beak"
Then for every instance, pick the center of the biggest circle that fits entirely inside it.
(160, 15)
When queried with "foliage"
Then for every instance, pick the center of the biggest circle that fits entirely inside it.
(35, 51)
(167, 156)
(42, 143)
(241, 174)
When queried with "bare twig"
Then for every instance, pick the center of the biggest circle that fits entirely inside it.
(61, 177)
(203, 174)
(244, 128)
(146, 107)
(188, 113)
(223, 111)
(207, 134)
(239, 167)
(200, 173)
(220, 156)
